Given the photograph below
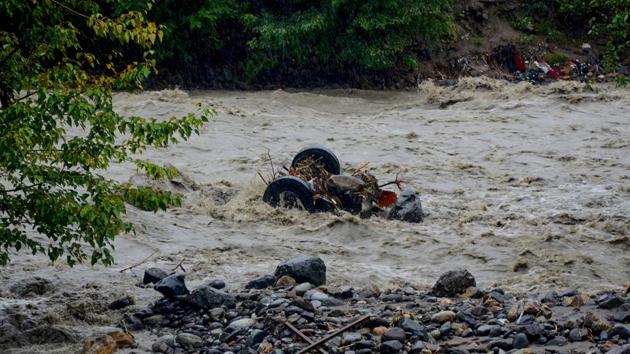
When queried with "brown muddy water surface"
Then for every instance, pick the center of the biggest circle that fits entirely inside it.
(527, 187)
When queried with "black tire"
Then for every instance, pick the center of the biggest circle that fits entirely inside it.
(321, 154)
(289, 192)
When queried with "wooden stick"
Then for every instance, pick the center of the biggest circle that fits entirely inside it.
(261, 177)
(273, 170)
(303, 336)
(359, 168)
(180, 265)
(333, 335)
(139, 263)
(627, 290)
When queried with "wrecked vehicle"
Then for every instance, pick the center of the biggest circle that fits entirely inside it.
(314, 183)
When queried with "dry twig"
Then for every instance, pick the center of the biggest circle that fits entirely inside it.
(179, 265)
(139, 263)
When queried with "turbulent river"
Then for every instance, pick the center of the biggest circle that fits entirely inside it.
(527, 187)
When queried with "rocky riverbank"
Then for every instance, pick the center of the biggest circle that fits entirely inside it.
(284, 312)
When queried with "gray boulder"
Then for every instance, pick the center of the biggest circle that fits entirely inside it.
(207, 297)
(303, 269)
(172, 286)
(153, 275)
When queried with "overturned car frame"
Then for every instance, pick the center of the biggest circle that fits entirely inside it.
(314, 183)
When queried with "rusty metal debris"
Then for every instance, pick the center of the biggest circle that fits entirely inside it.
(314, 182)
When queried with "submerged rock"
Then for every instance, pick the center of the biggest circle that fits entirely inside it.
(408, 207)
(303, 269)
(453, 283)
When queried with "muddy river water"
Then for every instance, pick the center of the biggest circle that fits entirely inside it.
(527, 187)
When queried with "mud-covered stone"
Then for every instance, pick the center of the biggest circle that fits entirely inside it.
(453, 283)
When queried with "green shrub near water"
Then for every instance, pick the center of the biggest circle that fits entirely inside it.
(608, 19)
(256, 38)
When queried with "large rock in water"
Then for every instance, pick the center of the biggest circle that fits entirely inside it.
(453, 283)
(207, 297)
(304, 269)
(408, 207)
(172, 286)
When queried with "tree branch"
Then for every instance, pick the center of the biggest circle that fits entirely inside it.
(21, 188)
(71, 9)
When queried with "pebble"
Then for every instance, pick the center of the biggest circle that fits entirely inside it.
(261, 282)
(412, 326)
(242, 324)
(188, 340)
(577, 334)
(391, 347)
(286, 282)
(351, 337)
(443, 316)
(520, 341)
(418, 347)
(558, 341)
(394, 333)
(301, 289)
(256, 336)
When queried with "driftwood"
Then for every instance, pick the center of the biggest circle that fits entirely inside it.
(333, 335)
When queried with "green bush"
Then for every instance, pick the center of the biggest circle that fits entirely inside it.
(609, 19)
(252, 39)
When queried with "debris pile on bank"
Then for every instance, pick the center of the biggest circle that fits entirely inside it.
(543, 67)
(294, 310)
